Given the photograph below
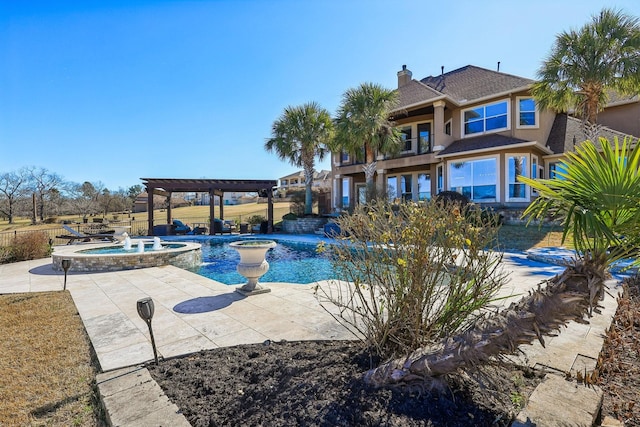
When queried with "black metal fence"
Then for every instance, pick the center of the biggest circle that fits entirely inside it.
(134, 227)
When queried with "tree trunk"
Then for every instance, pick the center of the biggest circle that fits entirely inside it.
(308, 196)
(369, 172)
(567, 296)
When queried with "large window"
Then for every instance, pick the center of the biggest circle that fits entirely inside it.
(361, 190)
(556, 167)
(424, 138)
(527, 113)
(476, 179)
(406, 187)
(345, 193)
(486, 118)
(392, 187)
(537, 171)
(440, 179)
(516, 166)
(406, 138)
(424, 186)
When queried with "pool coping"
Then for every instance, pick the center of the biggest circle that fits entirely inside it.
(185, 256)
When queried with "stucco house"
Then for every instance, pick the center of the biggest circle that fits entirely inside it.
(295, 181)
(473, 130)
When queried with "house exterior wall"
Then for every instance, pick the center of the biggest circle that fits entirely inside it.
(519, 148)
(625, 118)
(410, 163)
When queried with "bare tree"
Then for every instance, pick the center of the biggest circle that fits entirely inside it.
(12, 184)
(42, 182)
(85, 197)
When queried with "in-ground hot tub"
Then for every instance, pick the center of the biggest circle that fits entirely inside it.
(113, 257)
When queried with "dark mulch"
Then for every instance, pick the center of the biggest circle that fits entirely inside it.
(320, 384)
(619, 362)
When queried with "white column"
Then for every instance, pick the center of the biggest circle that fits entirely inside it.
(438, 123)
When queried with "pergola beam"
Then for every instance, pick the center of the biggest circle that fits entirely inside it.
(215, 187)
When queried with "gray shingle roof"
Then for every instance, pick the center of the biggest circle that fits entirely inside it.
(415, 92)
(470, 82)
(567, 131)
(614, 97)
(480, 143)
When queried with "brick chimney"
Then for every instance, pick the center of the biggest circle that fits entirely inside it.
(404, 76)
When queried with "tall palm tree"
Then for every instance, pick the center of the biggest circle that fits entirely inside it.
(299, 135)
(363, 124)
(586, 64)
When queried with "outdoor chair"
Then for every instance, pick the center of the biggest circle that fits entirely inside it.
(180, 228)
(78, 236)
(220, 227)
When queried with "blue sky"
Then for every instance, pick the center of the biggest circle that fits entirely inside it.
(114, 91)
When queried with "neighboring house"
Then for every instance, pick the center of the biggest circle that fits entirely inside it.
(230, 198)
(295, 181)
(473, 131)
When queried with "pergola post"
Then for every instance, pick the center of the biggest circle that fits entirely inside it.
(169, 208)
(150, 209)
(222, 206)
(212, 203)
(270, 210)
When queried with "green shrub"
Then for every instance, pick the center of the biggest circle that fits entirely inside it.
(5, 255)
(256, 219)
(290, 216)
(412, 275)
(30, 246)
(452, 197)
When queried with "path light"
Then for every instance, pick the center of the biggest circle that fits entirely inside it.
(66, 263)
(145, 311)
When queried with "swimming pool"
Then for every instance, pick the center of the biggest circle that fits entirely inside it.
(291, 262)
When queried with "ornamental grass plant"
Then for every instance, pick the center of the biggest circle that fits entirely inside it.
(411, 274)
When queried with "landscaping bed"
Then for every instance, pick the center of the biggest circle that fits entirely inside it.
(320, 383)
(619, 362)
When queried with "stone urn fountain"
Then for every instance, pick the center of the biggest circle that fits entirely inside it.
(253, 264)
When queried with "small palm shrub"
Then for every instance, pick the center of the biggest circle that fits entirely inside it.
(29, 246)
(596, 195)
(411, 274)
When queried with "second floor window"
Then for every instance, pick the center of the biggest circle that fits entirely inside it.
(424, 138)
(486, 118)
(447, 127)
(406, 138)
(527, 113)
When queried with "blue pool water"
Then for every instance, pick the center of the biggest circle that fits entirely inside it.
(288, 262)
